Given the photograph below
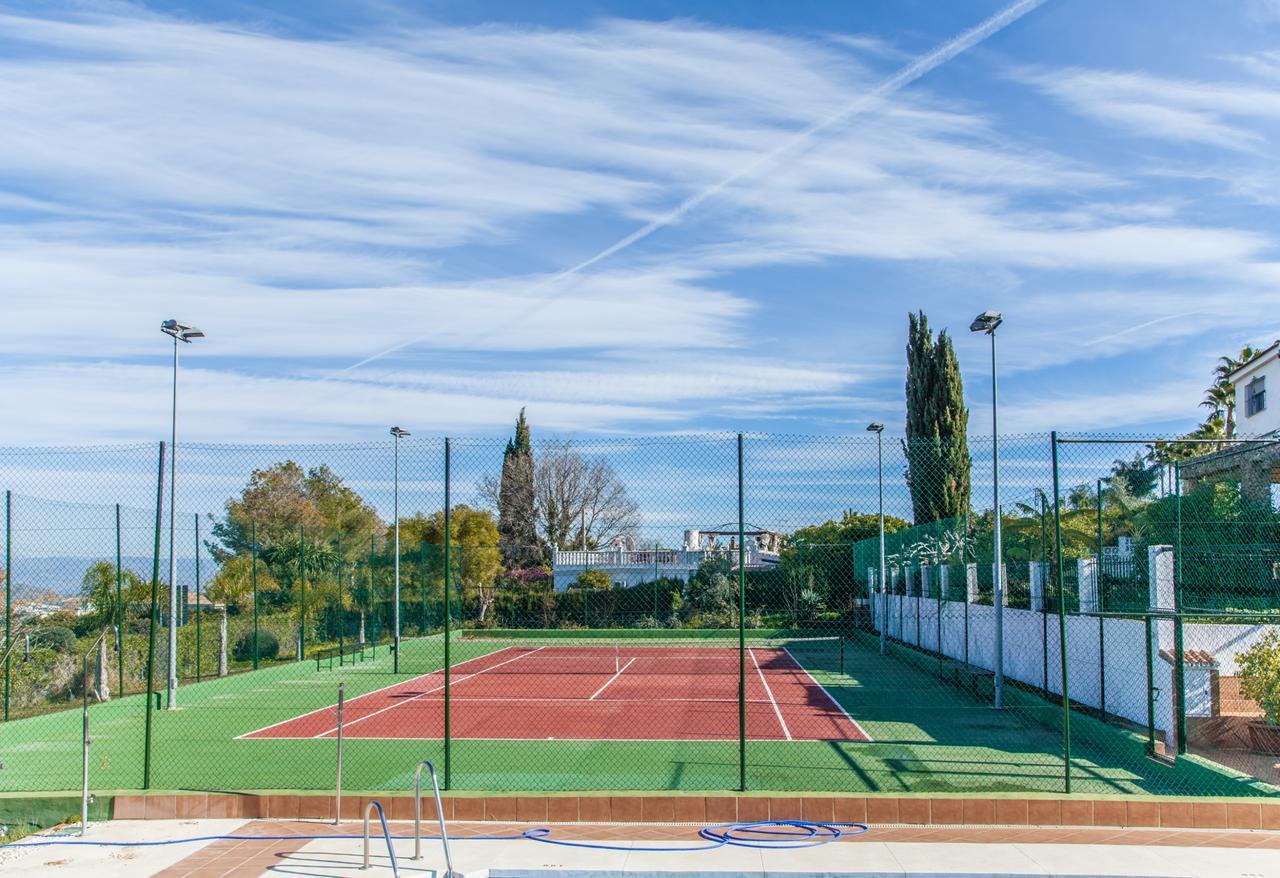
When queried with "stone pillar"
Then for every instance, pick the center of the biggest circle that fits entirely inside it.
(1087, 579)
(1004, 583)
(1160, 575)
(222, 644)
(1160, 561)
(101, 676)
(894, 573)
(971, 583)
(926, 579)
(362, 640)
(1037, 586)
(944, 576)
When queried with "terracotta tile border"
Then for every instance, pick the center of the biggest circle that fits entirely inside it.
(1131, 813)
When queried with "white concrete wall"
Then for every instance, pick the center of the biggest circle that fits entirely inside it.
(1026, 636)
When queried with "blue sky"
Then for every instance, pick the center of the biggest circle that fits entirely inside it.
(315, 184)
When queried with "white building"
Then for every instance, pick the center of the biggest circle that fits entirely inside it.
(1256, 412)
(1254, 465)
(629, 566)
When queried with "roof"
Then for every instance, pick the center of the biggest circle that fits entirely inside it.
(1191, 657)
(1273, 350)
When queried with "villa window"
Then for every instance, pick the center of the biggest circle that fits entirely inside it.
(1255, 396)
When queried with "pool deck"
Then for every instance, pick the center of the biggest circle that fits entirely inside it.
(886, 850)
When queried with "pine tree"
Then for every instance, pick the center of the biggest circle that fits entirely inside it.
(517, 520)
(936, 446)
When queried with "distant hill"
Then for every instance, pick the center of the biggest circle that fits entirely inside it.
(62, 573)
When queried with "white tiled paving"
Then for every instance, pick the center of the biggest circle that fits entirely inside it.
(341, 858)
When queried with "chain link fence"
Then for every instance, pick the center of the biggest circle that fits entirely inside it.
(673, 613)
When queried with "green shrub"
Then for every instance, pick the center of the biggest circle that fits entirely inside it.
(1260, 674)
(268, 647)
(593, 579)
(673, 621)
(648, 622)
(57, 638)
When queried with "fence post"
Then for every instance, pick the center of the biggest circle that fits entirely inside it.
(198, 613)
(151, 635)
(742, 631)
(448, 620)
(1043, 607)
(119, 610)
(302, 592)
(253, 579)
(8, 594)
(1100, 599)
(1179, 655)
(1062, 621)
(342, 607)
(1151, 687)
(372, 605)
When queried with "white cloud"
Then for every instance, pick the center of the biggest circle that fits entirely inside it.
(309, 202)
(1165, 108)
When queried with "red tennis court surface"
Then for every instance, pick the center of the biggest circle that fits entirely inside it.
(595, 693)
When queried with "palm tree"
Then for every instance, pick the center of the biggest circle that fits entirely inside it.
(1221, 395)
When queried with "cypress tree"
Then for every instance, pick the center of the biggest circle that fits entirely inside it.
(517, 524)
(936, 446)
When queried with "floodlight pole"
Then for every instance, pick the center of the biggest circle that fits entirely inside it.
(180, 332)
(878, 429)
(988, 322)
(173, 588)
(998, 591)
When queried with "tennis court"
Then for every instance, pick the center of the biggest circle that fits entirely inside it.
(636, 692)
(665, 717)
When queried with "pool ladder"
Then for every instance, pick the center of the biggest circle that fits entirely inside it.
(386, 834)
(417, 823)
(417, 817)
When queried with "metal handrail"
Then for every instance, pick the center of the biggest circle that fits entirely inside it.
(417, 816)
(386, 834)
(84, 675)
(20, 633)
(337, 793)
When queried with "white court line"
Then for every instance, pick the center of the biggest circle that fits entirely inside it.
(452, 683)
(830, 697)
(360, 697)
(611, 679)
(769, 691)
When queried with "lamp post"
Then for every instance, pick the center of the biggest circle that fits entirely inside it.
(180, 332)
(878, 428)
(987, 322)
(395, 611)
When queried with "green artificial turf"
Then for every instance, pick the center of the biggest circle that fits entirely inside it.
(928, 736)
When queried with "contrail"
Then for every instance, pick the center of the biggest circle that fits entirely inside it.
(907, 75)
(1148, 323)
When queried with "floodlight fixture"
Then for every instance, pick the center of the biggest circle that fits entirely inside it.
(875, 427)
(987, 322)
(180, 331)
(400, 432)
